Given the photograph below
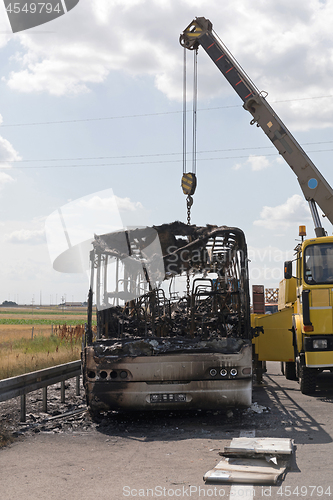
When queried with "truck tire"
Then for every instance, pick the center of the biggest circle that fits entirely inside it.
(290, 370)
(307, 380)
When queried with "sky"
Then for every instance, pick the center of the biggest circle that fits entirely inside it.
(91, 109)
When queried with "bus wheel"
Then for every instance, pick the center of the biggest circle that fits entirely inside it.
(307, 380)
(259, 370)
(290, 370)
(94, 413)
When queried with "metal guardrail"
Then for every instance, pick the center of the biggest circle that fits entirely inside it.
(23, 384)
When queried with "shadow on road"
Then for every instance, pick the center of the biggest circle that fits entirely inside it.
(176, 425)
(292, 409)
(325, 387)
(279, 411)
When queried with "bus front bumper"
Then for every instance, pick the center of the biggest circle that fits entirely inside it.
(207, 394)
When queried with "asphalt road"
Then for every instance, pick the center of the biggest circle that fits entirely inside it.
(165, 455)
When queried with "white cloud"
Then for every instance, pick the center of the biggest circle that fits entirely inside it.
(294, 211)
(96, 203)
(5, 34)
(266, 264)
(76, 223)
(26, 236)
(100, 203)
(87, 45)
(25, 270)
(7, 151)
(7, 155)
(268, 255)
(256, 163)
(5, 179)
(126, 205)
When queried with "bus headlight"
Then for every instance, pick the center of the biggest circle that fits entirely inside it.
(233, 372)
(212, 372)
(223, 372)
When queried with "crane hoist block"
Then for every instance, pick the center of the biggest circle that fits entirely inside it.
(189, 183)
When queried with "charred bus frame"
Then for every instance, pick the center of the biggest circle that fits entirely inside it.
(154, 349)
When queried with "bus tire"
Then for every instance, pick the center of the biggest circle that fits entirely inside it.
(308, 377)
(290, 370)
(94, 414)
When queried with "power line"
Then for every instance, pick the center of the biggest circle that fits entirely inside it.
(83, 158)
(129, 156)
(121, 117)
(150, 162)
(87, 119)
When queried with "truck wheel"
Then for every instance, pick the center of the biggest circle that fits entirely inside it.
(307, 380)
(290, 370)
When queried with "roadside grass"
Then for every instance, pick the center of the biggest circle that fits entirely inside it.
(23, 350)
(31, 340)
(26, 354)
(11, 333)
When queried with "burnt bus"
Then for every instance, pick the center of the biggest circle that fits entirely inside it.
(173, 320)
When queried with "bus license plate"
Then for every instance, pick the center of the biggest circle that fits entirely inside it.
(168, 398)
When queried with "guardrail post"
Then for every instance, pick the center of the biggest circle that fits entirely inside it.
(78, 385)
(45, 399)
(23, 408)
(62, 398)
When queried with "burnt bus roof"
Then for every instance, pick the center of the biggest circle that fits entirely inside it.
(175, 239)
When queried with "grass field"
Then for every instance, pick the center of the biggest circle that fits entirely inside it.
(31, 340)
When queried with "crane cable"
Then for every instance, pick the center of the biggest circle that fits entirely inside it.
(189, 181)
(184, 113)
(195, 106)
(189, 200)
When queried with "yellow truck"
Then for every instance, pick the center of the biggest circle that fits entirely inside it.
(300, 334)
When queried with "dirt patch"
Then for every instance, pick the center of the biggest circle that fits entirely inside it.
(6, 437)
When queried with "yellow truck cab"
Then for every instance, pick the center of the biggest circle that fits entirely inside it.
(300, 334)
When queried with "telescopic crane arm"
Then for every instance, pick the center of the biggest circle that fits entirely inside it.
(314, 186)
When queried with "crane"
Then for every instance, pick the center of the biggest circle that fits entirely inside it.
(314, 186)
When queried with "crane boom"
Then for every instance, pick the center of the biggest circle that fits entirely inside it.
(314, 186)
